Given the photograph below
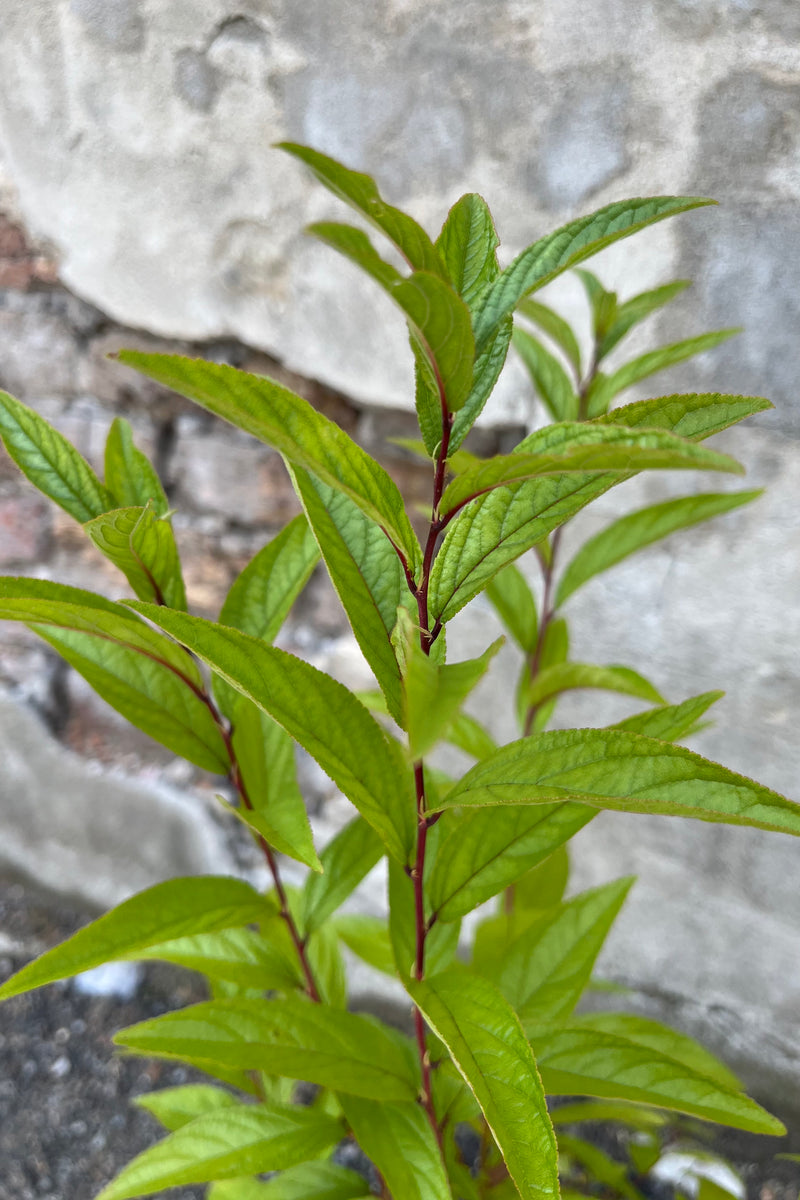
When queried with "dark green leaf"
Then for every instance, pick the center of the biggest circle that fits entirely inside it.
(485, 852)
(143, 675)
(562, 677)
(360, 192)
(400, 1142)
(439, 320)
(604, 1171)
(635, 310)
(568, 246)
(488, 365)
(672, 721)
(167, 910)
(634, 1115)
(177, 1106)
(286, 421)
(320, 713)
(636, 530)
(586, 1062)
(346, 860)
(556, 328)
(142, 545)
(224, 1145)
(489, 1049)
(366, 573)
(468, 245)
(50, 462)
(130, 476)
(329, 1047)
(550, 380)
(309, 1181)
(585, 448)
(545, 971)
(614, 769)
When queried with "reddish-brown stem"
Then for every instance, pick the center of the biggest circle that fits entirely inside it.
(548, 612)
(269, 854)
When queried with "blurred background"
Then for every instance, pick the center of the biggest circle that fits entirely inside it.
(142, 204)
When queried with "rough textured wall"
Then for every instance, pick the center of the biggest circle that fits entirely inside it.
(136, 142)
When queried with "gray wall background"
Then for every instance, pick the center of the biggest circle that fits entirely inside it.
(142, 204)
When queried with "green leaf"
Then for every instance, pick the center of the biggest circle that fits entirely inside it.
(672, 721)
(624, 1113)
(544, 885)
(365, 572)
(586, 1062)
(605, 387)
(142, 545)
(327, 966)
(499, 526)
(177, 1106)
(320, 713)
(602, 303)
(635, 310)
(442, 941)
(488, 365)
(485, 852)
(360, 191)
(50, 462)
(585, 448)
(290, 424)
(603, 1171)
(439, 321)
(486, 1042)
(468, 246)
(554, 652)
(264, 754)
(693, 415)
(308, 1181)
(346, 860)
(295, 1038)
(261, 596)
(556, 328)
(368, 938)
(266, 960)
(144, 676)
(469, 735)
(557, 252)
(636, 530)
(167, 910)
(398, 1139)
(562, 677)
(545, 971)
(659, 1037)
(433, 693)
(130, 476)
(614, 769)
(550, 380)
(224, 1145)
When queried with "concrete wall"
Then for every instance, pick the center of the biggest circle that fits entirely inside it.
(142, 202)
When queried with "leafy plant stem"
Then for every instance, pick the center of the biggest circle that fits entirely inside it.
(548, 612)
(269, 854)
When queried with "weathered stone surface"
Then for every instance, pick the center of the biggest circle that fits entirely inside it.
(63, 821)
(24, 529)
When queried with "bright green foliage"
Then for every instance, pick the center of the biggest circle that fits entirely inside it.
(142, 545)
(165, 911)
(130, 476)
(224, 1144)
(492, 1041)
(353, 1054)
(484, 1037)
(50, 462)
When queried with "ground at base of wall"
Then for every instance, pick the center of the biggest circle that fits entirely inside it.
(67, 1124)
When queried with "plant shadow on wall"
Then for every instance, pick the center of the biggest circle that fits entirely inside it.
(471, 1103)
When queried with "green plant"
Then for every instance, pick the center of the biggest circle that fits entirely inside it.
(494, 1037)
